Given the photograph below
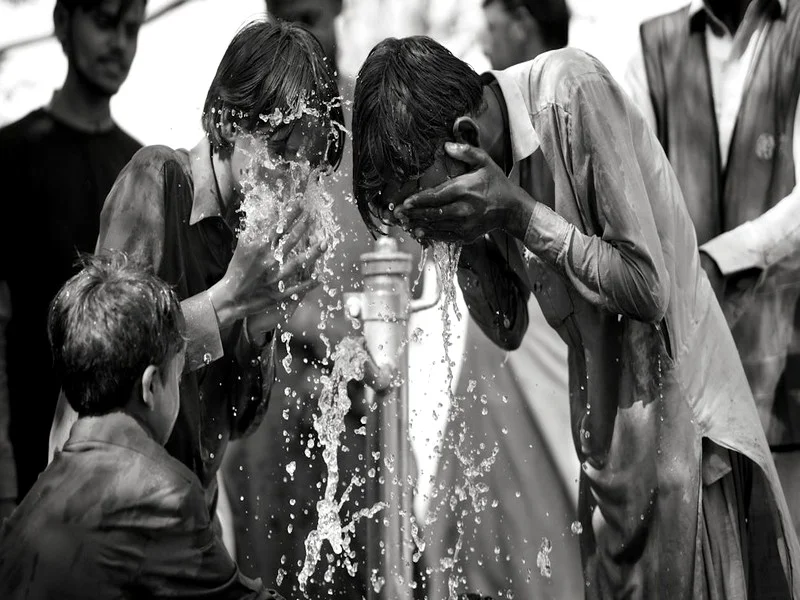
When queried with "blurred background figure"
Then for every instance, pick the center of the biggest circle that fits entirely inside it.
(59, 163)
(516, 402)
(718, 82)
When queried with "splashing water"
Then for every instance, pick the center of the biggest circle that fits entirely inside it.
(334, 403)
(474, 462)
(273, 186)
(543, 558)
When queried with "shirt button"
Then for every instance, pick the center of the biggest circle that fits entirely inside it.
(506, 322)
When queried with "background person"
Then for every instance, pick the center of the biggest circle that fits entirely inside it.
(59, 162)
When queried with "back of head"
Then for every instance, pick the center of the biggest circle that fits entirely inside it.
(272, 68)
(106, 325)
(408, 94)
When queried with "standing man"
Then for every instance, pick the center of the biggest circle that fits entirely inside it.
(672, 455)
(58, 162)
(533, 485)
(718, 83)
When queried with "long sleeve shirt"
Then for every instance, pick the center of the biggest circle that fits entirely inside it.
(115, 516)
(611, 255)
(164, 210)
(774, 236)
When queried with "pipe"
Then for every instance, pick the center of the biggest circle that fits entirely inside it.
(383, 308)
(384, 311)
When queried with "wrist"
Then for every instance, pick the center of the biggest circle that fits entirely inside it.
(223, 306)
(518, 212)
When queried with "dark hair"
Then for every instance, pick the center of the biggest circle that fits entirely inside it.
(106, 325)
(273, 65)
(71, 5)
(552, 16)
(408, 94)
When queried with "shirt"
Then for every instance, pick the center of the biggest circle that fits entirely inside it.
(612, 259)
(55, 180)
(164, 210)
(775, 235)
(114, 513)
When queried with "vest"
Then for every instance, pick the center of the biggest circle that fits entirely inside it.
(759, 172)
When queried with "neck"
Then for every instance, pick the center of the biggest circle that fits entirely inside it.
(494, 129)
(80, 107)
(229, 197)
(730, 12)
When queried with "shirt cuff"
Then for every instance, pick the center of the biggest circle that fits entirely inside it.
(548, 234)
(735, 250)
(204, 345)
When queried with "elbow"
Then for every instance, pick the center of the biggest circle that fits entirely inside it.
(653, 304)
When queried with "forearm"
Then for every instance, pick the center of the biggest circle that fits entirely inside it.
(761, 243)
(252, 377)
(621, 282)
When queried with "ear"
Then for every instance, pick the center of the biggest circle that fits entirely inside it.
(150, 379)
(466, 130)
(227, 127)
(61, 25)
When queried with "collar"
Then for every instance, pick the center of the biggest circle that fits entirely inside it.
(696, 6)
(206, 201)
(122, 430)
(524, 139)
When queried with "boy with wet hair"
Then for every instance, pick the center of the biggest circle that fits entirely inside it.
(554, 184)
(114, 515)
(178, 211)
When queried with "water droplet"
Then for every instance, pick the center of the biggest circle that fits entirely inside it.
(576, 527)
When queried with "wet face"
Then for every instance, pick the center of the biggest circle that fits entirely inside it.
(100, 42)
(317, 16)
(295, 149)
(395, 193)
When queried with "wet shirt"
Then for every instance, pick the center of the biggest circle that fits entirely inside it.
(55, 179)
(115, 516)
(611, 256)
(164, 210)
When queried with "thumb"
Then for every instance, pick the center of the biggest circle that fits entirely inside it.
(466, 153)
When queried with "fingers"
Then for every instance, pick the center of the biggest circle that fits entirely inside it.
(296, 264)
(294, 233)
(467, 153)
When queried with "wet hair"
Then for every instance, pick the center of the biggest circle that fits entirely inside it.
(272, 65)
(408, 94)
(552, 16)
(106, 325)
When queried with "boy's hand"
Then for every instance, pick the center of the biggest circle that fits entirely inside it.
(256, 282)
